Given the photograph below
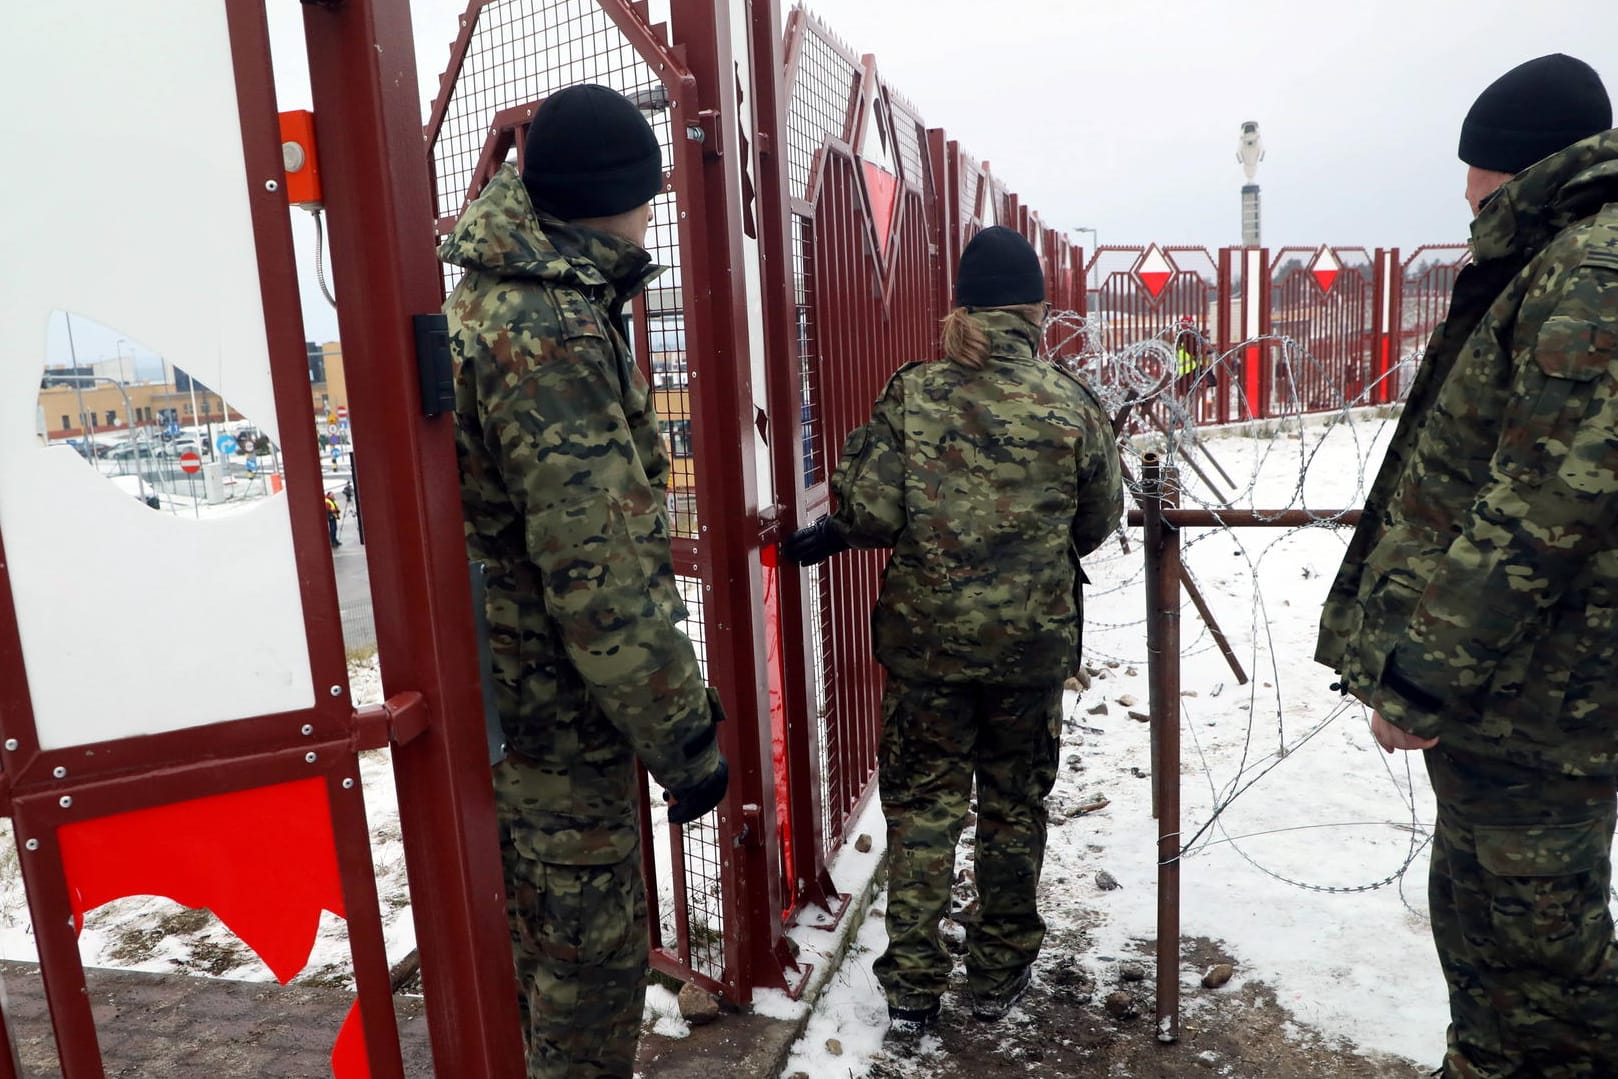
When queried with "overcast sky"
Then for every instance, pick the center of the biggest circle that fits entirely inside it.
(1123, 117)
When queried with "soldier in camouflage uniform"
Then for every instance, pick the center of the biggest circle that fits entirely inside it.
(988, 475)
(1476, 611)
(563, 475)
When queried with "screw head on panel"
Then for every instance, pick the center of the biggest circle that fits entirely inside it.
(348, 784)
(32, 844)
(59, 772)
(11, 745)
(308, 729)
(310, 757)
(272, 185)
(66, 801)
(336, 691)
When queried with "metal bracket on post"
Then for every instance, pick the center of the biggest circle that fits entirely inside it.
(434, 363)
(708, 130)
(396, 721)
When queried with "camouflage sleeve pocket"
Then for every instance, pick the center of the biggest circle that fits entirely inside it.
(1566, 349)
(1551, 396)
(1540, 882)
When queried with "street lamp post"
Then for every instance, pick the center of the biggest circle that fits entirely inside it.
(140, 477)
(123, 375)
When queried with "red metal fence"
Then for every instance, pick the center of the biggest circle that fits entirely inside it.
(1318, 330)
(811, 222)
(802, 184)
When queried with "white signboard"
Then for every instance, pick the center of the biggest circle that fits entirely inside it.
(138, 221)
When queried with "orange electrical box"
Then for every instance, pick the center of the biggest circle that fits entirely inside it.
(298, 157)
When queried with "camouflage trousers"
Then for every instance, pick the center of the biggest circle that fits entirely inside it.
(935, 738)
(579, 937)
(1521, 871)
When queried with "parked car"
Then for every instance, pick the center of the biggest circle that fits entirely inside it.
(128, 451)
(179, 447)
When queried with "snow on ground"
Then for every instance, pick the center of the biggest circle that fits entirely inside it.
(1300, 789)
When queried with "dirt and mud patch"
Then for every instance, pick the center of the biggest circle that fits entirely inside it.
(1074, 1024)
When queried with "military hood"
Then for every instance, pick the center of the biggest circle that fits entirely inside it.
(1010, 335)
(501, 234)
(1541, 201)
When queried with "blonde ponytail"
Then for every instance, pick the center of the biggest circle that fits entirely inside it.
(965, 340)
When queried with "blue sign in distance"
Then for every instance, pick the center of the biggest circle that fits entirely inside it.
(335, 441)
(226, 444)
(343, 424)
(252, 465)
(336, 453)
(171, 429)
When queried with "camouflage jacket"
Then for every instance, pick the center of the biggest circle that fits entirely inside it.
(1478, 602)
(562, 484)
(988, 485)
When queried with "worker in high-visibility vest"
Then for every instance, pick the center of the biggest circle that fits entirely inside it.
(333, 516)
(1187, 354)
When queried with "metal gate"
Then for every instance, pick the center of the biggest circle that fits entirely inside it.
(240, 792)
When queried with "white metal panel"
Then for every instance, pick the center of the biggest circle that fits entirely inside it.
(128, 203)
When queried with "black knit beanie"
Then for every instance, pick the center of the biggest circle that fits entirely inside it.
(998, 269)
(590, 153)
(1533, 111)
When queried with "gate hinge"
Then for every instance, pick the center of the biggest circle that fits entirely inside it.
(709, 131)
(397, 720)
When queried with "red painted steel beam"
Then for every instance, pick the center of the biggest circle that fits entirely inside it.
(724, 435)
(362, 71)
(785, 401)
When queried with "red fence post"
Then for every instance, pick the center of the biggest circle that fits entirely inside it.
(1390, 289)
(1256, 359)
(728, 482)
(785, 396)
(363, 74)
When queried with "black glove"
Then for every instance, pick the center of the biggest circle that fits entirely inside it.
(687, 805)
(813, 544)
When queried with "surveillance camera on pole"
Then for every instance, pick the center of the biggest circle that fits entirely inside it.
(1250, 151)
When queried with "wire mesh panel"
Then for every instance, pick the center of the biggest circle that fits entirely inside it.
(971, 183)
(823, 96)
(910, 135)
(813, 435)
